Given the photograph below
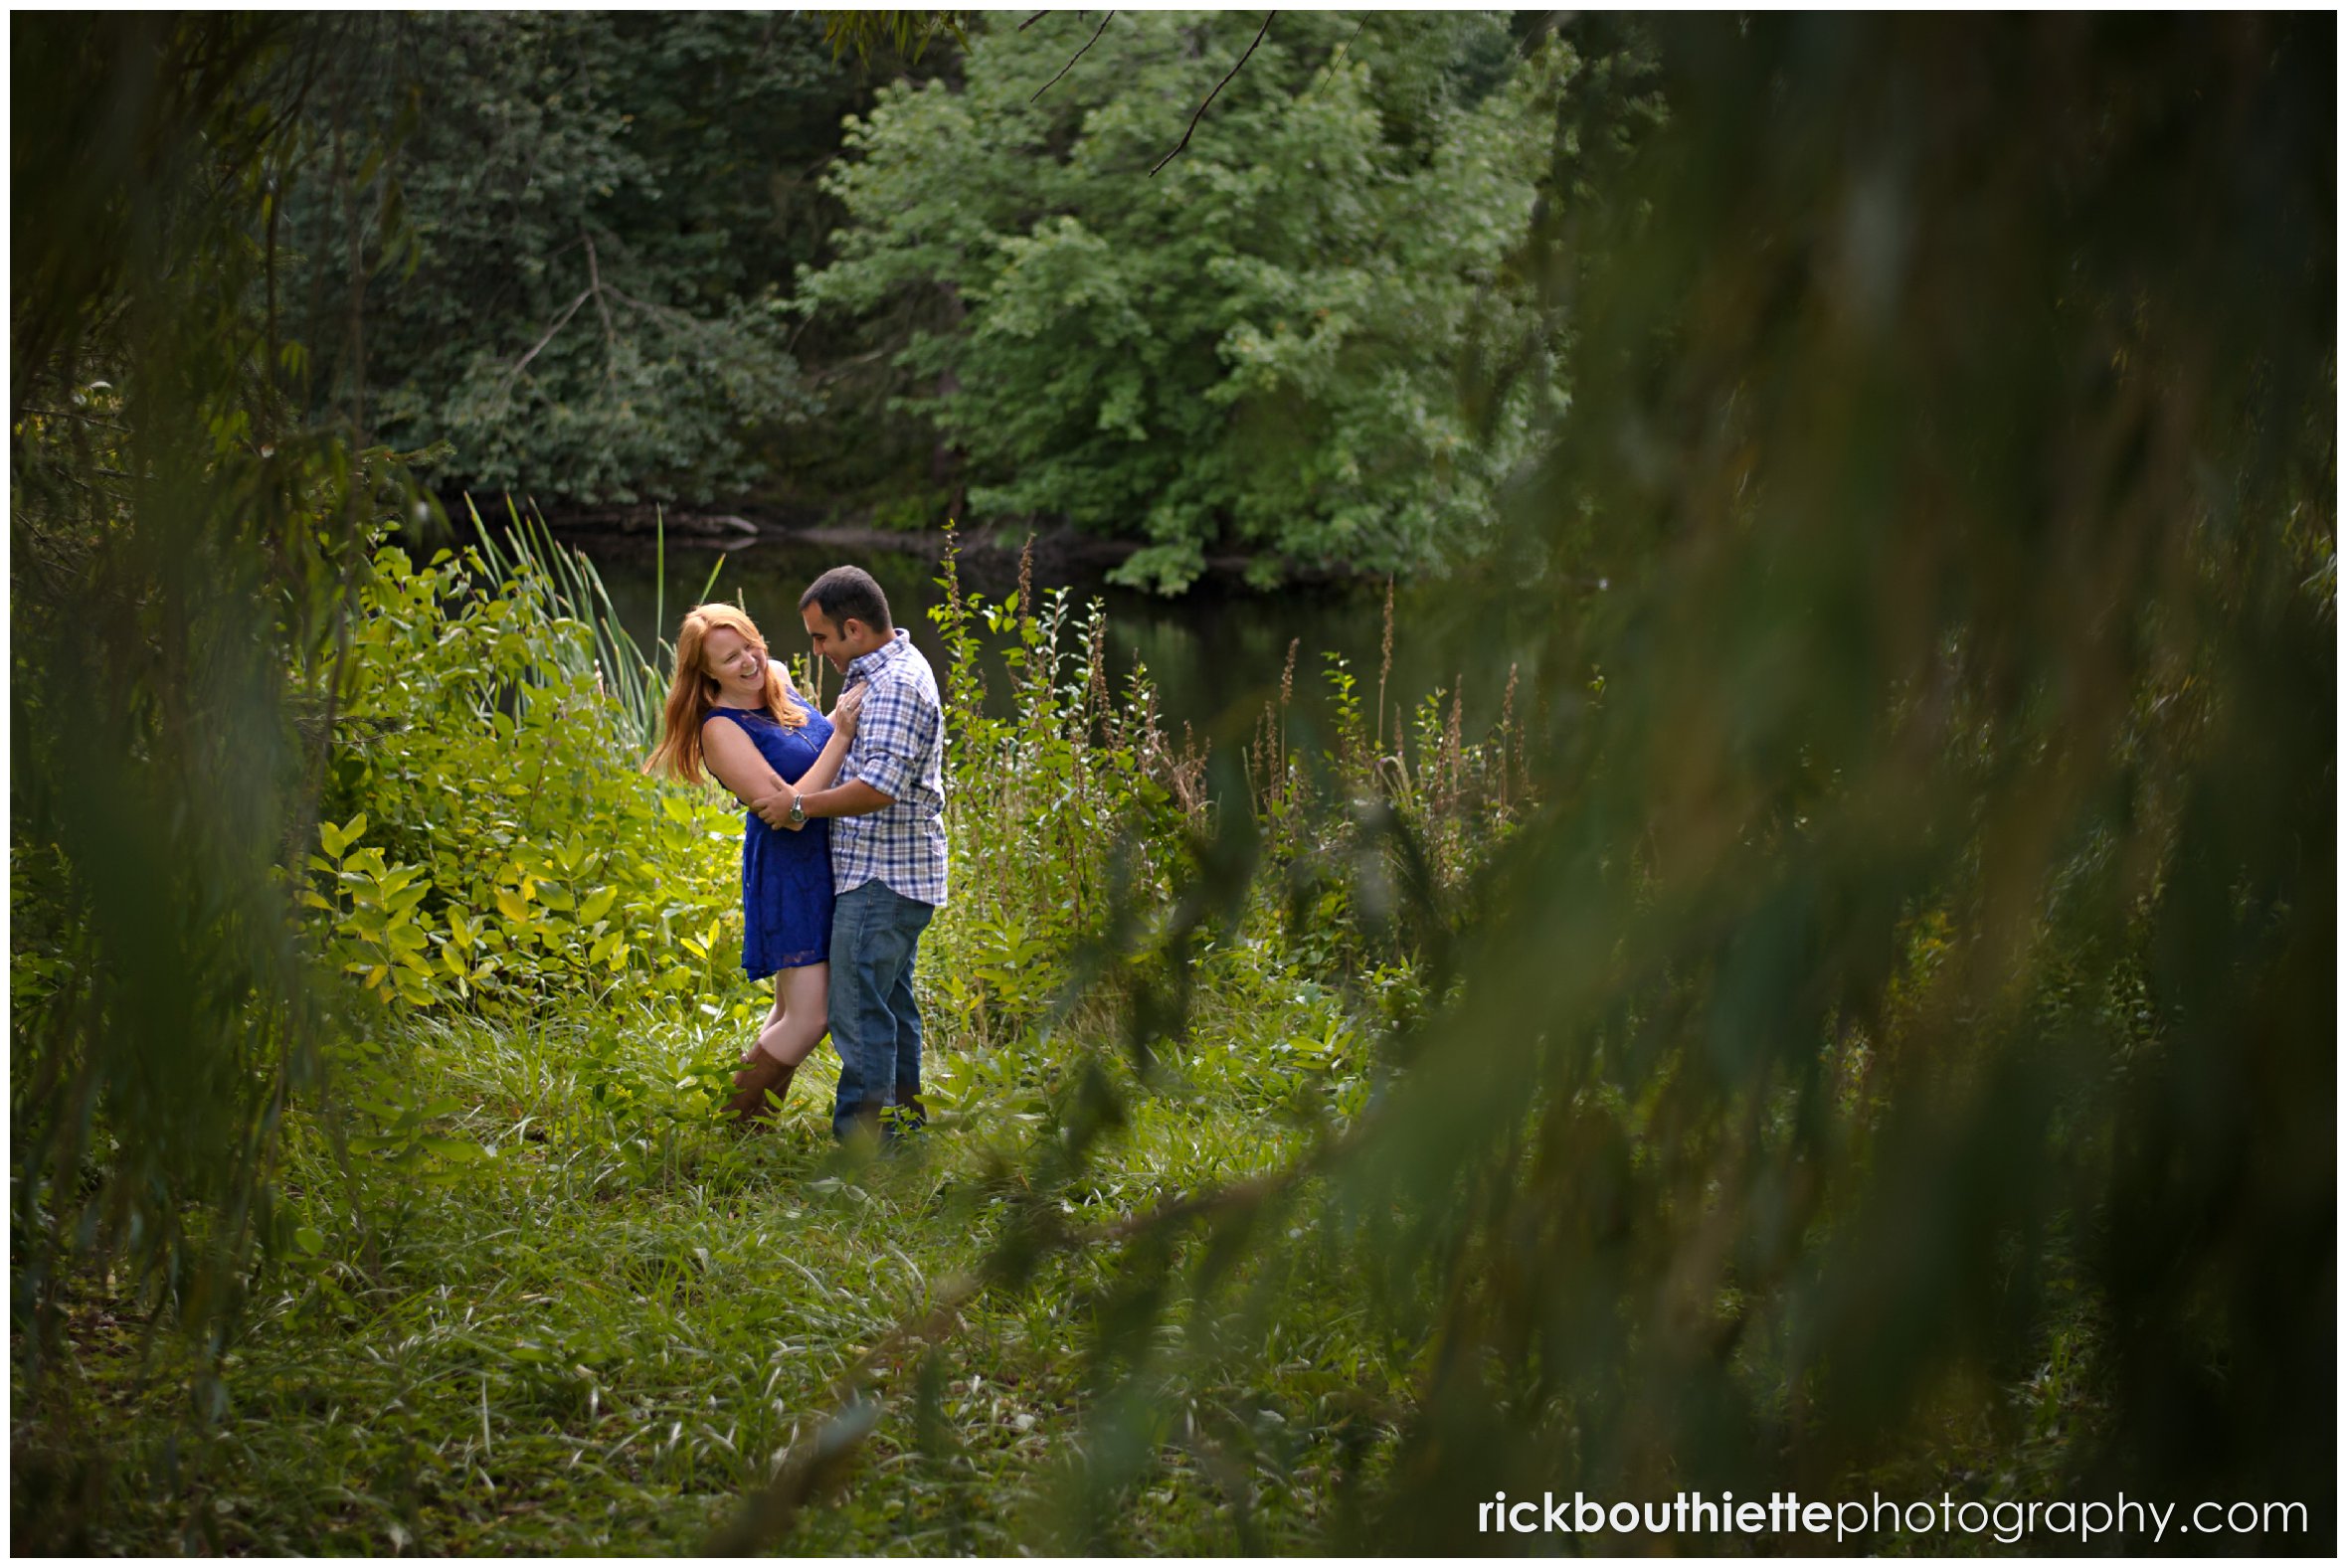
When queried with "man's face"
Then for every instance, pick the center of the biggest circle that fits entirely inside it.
(835, 646)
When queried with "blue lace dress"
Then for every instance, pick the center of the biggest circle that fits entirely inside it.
(785, 875)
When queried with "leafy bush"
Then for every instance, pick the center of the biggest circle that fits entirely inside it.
(498, 852)
(489, 763)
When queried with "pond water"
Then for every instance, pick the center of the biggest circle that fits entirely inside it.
(1214, 654)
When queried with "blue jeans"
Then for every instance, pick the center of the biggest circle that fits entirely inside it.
(875, 1023)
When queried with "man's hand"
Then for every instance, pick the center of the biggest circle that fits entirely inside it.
(775, 810)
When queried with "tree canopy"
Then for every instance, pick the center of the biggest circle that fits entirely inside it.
(1252, 350)
(740, 257)
(603, 213)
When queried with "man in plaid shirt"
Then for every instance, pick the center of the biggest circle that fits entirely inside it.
(888, 847)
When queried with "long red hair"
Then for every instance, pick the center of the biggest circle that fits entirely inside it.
(692, 691)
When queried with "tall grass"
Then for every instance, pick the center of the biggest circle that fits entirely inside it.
(637, 683)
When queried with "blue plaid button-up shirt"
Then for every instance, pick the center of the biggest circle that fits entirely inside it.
(900, 751)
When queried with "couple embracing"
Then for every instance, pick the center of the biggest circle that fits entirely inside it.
(843, 851)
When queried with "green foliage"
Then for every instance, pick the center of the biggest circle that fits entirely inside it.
(1896, 1052)
(486, 757)
(183, 548)
(540, 949)
(909, 33)
(1865, 1019)
(1254, 351)
(606, 211)
(1086, 795)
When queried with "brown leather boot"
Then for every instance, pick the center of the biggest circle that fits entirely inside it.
(760, 1076)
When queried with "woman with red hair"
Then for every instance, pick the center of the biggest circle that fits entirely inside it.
(732, 707)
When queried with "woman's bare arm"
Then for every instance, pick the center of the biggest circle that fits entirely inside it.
(738, 763)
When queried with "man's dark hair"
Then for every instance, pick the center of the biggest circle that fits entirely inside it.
(846, 593)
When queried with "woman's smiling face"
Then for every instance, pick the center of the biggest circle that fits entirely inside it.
(737, 664)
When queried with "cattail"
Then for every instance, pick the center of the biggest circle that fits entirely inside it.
(1384, 665)
(1507, 729)
(966, 680)
(1453, 752)
(1026, 578)
(1273, 758)
(1190, 771)
(1255, 763)
(1287, 695)
(1096, 666)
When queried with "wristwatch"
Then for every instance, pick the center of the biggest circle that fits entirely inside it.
(798, 811)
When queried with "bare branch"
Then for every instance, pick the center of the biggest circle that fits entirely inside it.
(610, 336)
(1219, 86)
(69, 414)
(1079, 53)
(682, 321)
(1033, 20)
(569, 311)
(1338, 56)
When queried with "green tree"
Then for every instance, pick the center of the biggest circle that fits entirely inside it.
(1252, 351)
(604, 211)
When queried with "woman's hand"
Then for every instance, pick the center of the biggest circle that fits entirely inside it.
(852, 702)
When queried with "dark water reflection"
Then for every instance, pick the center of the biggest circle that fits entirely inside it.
(1215, 656)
